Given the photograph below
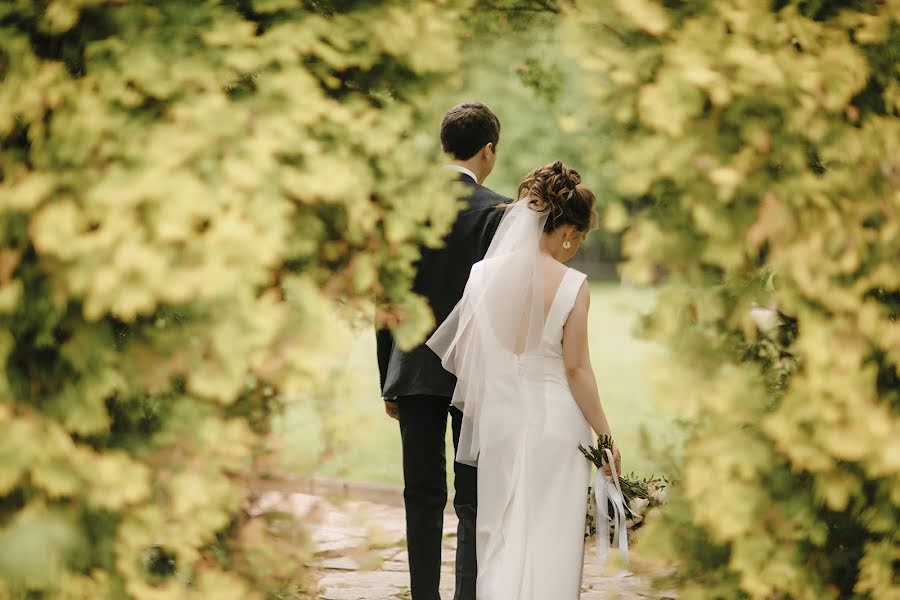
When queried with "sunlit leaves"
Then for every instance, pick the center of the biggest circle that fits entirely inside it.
(757, 146)
(192, 200)
(36, 545)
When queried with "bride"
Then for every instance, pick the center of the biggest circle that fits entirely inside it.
(518, 344)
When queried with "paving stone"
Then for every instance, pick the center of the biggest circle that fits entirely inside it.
(342, 563)
(392, 554)
(302, 504)
(395, 565)
(341, 543)
(373, 585)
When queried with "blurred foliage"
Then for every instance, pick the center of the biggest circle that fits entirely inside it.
(516, 61)
(191, 194)
(536, 92)
(757, 147)
(505, 17)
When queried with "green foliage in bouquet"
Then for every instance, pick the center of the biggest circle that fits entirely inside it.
(761, 143)
(596, 454)
(640, 493)
(190, 193)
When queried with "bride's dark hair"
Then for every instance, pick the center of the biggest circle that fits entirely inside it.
(556, 189)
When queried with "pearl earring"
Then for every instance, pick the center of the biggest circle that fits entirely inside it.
(567, 244)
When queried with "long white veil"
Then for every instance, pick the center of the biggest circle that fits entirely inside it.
(490, 338)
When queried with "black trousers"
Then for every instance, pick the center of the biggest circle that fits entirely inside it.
(423, 427)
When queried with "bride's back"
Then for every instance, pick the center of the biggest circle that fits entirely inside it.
(553, 273)
(550, 275)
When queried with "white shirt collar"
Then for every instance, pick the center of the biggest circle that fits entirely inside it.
(464, 171)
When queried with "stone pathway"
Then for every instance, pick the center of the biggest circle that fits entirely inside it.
(360, 552)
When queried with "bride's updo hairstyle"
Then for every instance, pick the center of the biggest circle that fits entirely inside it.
(556, 189)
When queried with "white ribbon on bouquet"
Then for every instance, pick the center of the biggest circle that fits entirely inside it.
(608, 491)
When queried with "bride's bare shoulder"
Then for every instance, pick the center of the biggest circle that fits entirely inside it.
(555, 270)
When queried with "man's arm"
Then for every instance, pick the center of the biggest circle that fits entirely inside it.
(384, 344)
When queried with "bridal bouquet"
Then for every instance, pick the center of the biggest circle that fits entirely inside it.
(640, 495)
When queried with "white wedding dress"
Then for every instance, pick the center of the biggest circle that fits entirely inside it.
(532, 487)
(521, 425)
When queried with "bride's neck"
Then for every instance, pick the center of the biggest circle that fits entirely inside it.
(544, 247)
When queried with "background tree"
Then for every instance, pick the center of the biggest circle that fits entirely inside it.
(516, 60)
(190, 194)
(763, 142)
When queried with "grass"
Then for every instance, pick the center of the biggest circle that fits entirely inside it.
(350, 436)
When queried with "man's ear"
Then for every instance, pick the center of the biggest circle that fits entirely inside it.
(487, 150)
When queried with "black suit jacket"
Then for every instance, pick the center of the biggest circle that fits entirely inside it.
(441, 277)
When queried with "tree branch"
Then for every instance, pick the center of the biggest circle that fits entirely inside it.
(537, 6)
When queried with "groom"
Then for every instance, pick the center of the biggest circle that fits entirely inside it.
(417, 390)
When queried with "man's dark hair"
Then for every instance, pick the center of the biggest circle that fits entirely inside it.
(467, 128)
